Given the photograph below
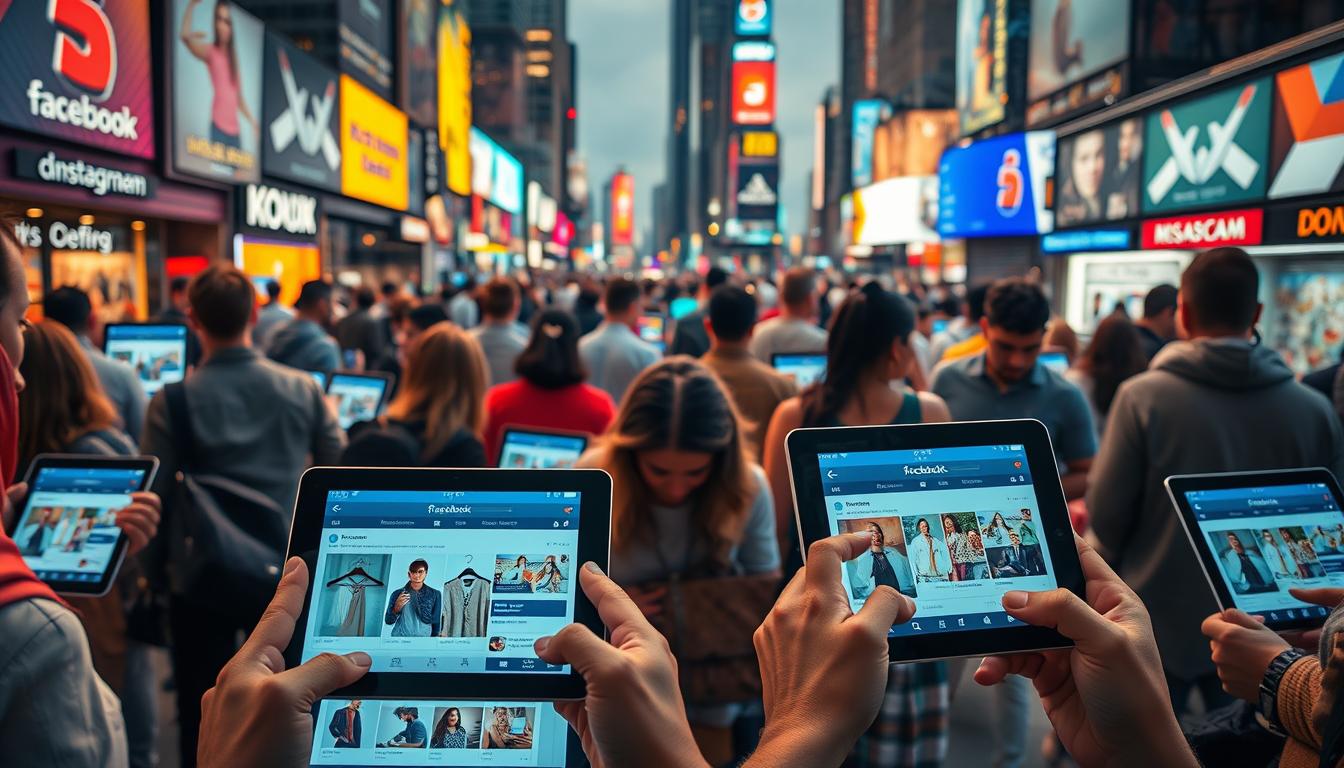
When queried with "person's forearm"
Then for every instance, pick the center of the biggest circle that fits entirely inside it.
(795, 748)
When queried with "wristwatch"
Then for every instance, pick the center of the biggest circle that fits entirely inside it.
(1269, 689)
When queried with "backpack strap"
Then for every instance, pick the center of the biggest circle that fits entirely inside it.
(179, 422)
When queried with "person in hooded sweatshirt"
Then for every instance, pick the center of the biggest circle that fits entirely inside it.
(1217, 402)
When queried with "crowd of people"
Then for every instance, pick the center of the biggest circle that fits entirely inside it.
(695, 444)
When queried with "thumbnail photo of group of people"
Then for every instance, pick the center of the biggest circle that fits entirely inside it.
(1256, 560)
(154, 369)
(426, 725)
(952, 546)
(526, 574)
(64, 538)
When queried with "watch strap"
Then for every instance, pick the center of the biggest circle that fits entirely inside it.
(1269, 688)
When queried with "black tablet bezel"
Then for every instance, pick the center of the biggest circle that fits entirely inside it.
(1178, 485)
(803, 445)
(149, 464)
(511, 429)
(107, 337)
(389, 381)
(594, 545)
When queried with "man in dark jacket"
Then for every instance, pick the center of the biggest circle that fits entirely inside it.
(1220, 402)
(345, 726)
(690, 337)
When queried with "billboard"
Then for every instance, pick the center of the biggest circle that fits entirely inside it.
(268, 210)
(1072, 40)
(997, 187)
(757, 192)
(753, 18)
(216, 109)
(496, 175)
(753, 92)
(867, 115)
(910, 143)
(79, 71)
(622, 210)
(897, 211)
(419, 92)
(982, 62)
(1307, 141)
(455, 97)
(1097, 174)
(1208, 151)
(759, 145)
(366, 43)
(373, 143)
(1204, 230)
(301, 117)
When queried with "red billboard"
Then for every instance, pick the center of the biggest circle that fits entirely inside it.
(80, 71)
(622, 209)
(753, 92)
(1204, 230)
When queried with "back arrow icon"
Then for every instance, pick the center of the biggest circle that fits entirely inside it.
(830, 474)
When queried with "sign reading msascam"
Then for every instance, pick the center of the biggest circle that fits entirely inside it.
(79, 70)
(96, 179)
(1205, 230)
(269, 210)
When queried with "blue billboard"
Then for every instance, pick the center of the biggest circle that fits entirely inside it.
(998, 187)
(753, 18)
(868, 114)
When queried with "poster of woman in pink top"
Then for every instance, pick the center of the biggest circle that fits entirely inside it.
(217, 91)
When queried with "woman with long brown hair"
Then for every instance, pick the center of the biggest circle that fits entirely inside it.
(690, 513)
(436, 418)
(1114, 355)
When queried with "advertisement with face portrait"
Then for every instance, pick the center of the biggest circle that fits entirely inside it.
(1098, 174)
(982, 62)
(367, 43)
(301, 117)
(373, 144)
(1208, 151)
(1307, 144)
(79, 71)
(217, 61)
(998, 187)
(455, 97)
(418, 29)
(1073, 39)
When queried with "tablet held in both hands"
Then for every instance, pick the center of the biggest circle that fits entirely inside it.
(958, 514)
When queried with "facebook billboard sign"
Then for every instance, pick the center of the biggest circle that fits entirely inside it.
(999, 187)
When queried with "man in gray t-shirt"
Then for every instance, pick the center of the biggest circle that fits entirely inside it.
(795, 330)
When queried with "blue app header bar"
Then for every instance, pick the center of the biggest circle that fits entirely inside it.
(1008, 453)
(453, 509)
(147, 332)
(536, 440)
(935, 469)
(347, 382)
(1225, 504)
(86, 480)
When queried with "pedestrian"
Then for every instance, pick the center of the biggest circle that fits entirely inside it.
(271, 318)
(304, 342)
(1113, 356)
(613, 353)
(500, 335)
(71, 307)
(796, 329)
(1157, 327)
(361, 331)
(690, 337)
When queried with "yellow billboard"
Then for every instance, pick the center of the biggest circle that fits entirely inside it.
(373, 148)
(455, 96)
(289, 264)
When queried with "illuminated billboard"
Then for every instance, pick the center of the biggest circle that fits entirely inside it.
(366, 50)
(897, 211)
(760, 144)
(455, 97)
(1307, 145)
(622, 210)
(753, 18)
(753, 92)
(1098, 174)
(982, 62)
(496, 175)
(1072, 40)
(419, 80)
(301, 116)
(373, 148)
(998, 187)
(868, 113)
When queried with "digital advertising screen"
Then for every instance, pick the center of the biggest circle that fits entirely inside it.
(79, 71)
(982, 62)
(622, 209)
(289, 264)
(367, 43)
(752, 19)
(997, 187)
(867, 115)
(374, 145)
(1208, 151)
(1073, 39)
(897, 211)
(301, 117)
(1097, 174)
(757, 193)
(218, 51)
(418, 76)
(1307, 140)
(1308, 327)
(455, 96)
(754, 92)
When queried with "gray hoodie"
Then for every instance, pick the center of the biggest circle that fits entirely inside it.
(1211, 405)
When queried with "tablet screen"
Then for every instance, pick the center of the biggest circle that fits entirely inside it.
(445, 581)
(68, 531)
(652, 329)
(422, 732)
(805, 370)
(157, 352)
(953, 528)
(539, 450)
(358, 398)
(1055, 361)
(1270, 539)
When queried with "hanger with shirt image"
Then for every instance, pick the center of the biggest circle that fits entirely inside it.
(356, 572)
(469, 571)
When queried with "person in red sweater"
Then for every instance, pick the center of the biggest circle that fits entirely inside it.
(550, 392)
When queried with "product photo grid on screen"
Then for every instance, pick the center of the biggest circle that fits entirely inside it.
(1269, 539)
(456, 582)
(953, 528)
(540, 450)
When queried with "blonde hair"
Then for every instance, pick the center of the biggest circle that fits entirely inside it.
(444, 385)
(679, 404)
(64, 399)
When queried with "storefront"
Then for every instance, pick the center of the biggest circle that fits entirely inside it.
(277, 237)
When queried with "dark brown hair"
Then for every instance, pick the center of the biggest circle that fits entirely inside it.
(499, 298)
(64, 400)
(1221, 289)
(222, 299)
(551, 359)
(1114, 355)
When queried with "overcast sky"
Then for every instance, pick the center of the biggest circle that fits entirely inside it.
(623, 90)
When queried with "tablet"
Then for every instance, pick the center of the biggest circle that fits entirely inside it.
(320, 378)
(157, 352)
(1055, 361)
(446, 577)
(805, 370)
(67, 531)
(439, 731)
(525, 448)
(958, 513)
(1259, 534)
(653, 330)
(359, 396)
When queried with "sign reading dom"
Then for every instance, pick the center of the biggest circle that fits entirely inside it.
(273, 211)
(79, 70)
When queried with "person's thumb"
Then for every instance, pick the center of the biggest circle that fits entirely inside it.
(1066, 613)
(575, 645)
(325, 673)
(884, 608)
(1242, 619)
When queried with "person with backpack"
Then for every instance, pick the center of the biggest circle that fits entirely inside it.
(241, 429)
(438, 413)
